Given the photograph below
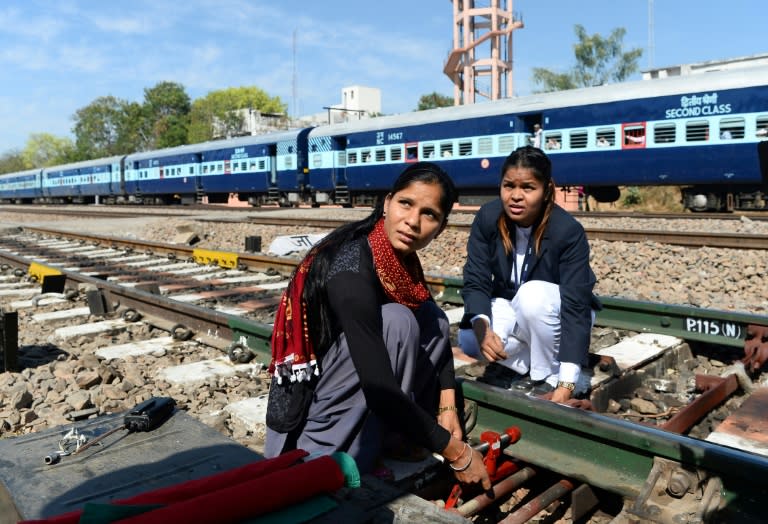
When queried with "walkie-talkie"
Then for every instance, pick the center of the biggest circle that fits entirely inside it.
(149, 414)
(144, 417)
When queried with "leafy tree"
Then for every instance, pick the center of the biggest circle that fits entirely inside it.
(433, 100)
(12, 161)
(103, 128)
(45, 149)
(166, 116)
(598, 61)
(222, 112)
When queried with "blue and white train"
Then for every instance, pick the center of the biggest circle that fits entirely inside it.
(706, 133)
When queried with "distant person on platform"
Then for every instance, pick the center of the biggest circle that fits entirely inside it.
(528, 301)
(537, 135)
(361, 353)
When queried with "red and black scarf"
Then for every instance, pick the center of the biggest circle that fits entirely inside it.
(293, 353)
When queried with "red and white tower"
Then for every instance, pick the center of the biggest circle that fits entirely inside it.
(480, 63)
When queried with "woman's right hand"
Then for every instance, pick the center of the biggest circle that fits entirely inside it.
(466, 463)
(475, 473)
(490, 343)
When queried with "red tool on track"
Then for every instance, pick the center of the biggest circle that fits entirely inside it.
(492, 446)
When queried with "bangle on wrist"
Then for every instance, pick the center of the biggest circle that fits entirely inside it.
(465, 466)
(443, 409)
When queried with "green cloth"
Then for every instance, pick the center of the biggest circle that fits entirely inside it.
(348, 469)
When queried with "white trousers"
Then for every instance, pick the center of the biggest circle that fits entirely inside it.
(529, 328)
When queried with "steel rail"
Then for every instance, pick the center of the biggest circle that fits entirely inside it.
(687, 322)
(610, 453)
(682, 238)
(567, 440)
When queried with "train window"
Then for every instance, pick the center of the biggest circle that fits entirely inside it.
(191, 170)
(428, 151)
(381, 155)
(341, 158)
(485, 146)
(465, 148)
(446, 149)
(634, 135)
(289, 162)
(731, 128)
(605, 137)
(317, 160)
(252, 165)
(262, 165)
(221, 168)
(205, 168)
(506, 144)
(366, 156)
(697, 131)
(244, 166)
(553, 141)
(578, 139)
(664, 133)
(411, 152)
(761, 131)
(352, 157)
(395, 153)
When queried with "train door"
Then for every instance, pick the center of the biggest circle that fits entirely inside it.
(273, 193)
(341, 185)
(339, 148)
(302, 159)
(530, 128)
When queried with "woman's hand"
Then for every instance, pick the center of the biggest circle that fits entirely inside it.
(448, 413)
(490, 343)
(466, 463)
(450, 421)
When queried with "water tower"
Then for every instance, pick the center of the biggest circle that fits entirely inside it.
(480, 63)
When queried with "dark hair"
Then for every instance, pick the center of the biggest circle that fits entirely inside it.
(538, 162)
(318, 310)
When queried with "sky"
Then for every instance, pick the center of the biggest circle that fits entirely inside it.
(59, 56)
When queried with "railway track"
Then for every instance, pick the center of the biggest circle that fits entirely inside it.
(177, 288)
(670, 236)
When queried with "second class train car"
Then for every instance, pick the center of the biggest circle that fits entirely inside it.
(706, 133)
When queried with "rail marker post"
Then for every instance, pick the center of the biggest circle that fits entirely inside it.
(9, 339)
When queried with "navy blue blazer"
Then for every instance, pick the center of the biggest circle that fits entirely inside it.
(563, 260)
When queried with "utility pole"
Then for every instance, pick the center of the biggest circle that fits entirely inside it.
(651, 43)
(293, 80)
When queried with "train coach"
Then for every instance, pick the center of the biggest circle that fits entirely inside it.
(22, 187)
(706, 133)
(82, 182)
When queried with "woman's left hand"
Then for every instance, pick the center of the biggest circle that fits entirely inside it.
(450, 421)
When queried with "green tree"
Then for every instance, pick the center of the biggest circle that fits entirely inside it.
(166, 116)
(12, 161)
(45, 149)
(103, 128)
(598, 61)
(433, 100)
(221, 113)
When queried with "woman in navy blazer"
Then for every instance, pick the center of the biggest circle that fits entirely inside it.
(527, 292)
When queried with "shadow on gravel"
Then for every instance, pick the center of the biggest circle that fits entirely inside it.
(38, 355)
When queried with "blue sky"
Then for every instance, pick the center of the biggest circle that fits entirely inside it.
(58, 56)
